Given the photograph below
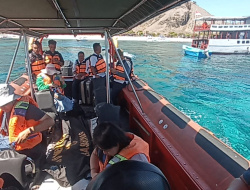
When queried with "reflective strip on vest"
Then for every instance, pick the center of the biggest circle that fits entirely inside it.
(22, 105)
(117, 158)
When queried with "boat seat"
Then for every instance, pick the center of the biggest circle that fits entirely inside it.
(130, 175)
(12, 169)
(107, 112)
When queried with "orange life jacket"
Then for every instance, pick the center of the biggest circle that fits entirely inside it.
(18, 123)
(100, 65)
(37, 66)
(80, 67)
(120, 69)
(48, 58)
(136, 146)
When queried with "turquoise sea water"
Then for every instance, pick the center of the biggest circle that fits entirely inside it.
(214, 92)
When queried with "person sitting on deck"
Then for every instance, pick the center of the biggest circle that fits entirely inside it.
(23, 121)
(36, 60)
(97, 66)
(53, 57)
(80, 70)
(119, 76)
(114, 145)
(49, 78)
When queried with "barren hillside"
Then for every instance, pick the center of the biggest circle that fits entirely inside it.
(179, 20)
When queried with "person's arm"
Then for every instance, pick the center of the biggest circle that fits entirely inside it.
(93, 60)
(61, 60)
(40, 84)
(45, 122)
(94, 164)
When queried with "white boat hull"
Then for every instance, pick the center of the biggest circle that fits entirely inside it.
(229, 46)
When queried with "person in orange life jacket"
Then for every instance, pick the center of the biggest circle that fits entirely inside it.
(97, 66)
(114, 145)
(36, 60)
(119, 76)
(53, 57)
(80, 70)
(22, 121)
(49, 78)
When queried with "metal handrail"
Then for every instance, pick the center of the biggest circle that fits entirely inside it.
(28, 64)
(13, 60)
(107, 67)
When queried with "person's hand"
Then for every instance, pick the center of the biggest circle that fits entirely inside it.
(23, 136)
(79, 76)
(114, 71)
(97, 76)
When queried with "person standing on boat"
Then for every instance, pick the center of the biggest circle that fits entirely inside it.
(114, 145)
(49, 78)
(23, 121)
(119, 75)
(80, 70)
(36, 60)
(53, 57)
(97, 66)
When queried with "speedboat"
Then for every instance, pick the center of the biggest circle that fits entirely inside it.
(196, 52)
(189, 156)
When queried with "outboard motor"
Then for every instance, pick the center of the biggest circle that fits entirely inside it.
(130, 175)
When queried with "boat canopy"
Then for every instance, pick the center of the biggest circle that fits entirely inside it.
(43, 17)
(214, 18)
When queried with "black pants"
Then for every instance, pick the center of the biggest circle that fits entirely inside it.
(76, 89)
(116, 89)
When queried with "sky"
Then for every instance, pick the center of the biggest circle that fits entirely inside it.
(226, 8)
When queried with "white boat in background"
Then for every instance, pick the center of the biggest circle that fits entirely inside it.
(81, 38)
(222, 35)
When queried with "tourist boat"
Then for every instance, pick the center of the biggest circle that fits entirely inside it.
(190, 156)
(81, 39)
(196, 52)
(222, 35)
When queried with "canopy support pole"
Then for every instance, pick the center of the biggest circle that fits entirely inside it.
(119, 58)
(13, 60)
(107, 66)
(26, 49)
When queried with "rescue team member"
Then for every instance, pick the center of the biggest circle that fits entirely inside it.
(22, 121)
(114, 145)
(49, 78)
(98, 66)
(52, 56)
(36, 60)
(80, 71)
(119, 76)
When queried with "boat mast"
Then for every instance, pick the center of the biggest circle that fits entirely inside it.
(119, 58)
(13, 60)
(26, 49)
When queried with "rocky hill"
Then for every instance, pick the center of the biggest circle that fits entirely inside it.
(179, 20)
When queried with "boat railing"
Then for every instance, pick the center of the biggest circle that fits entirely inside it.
(219, 27)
